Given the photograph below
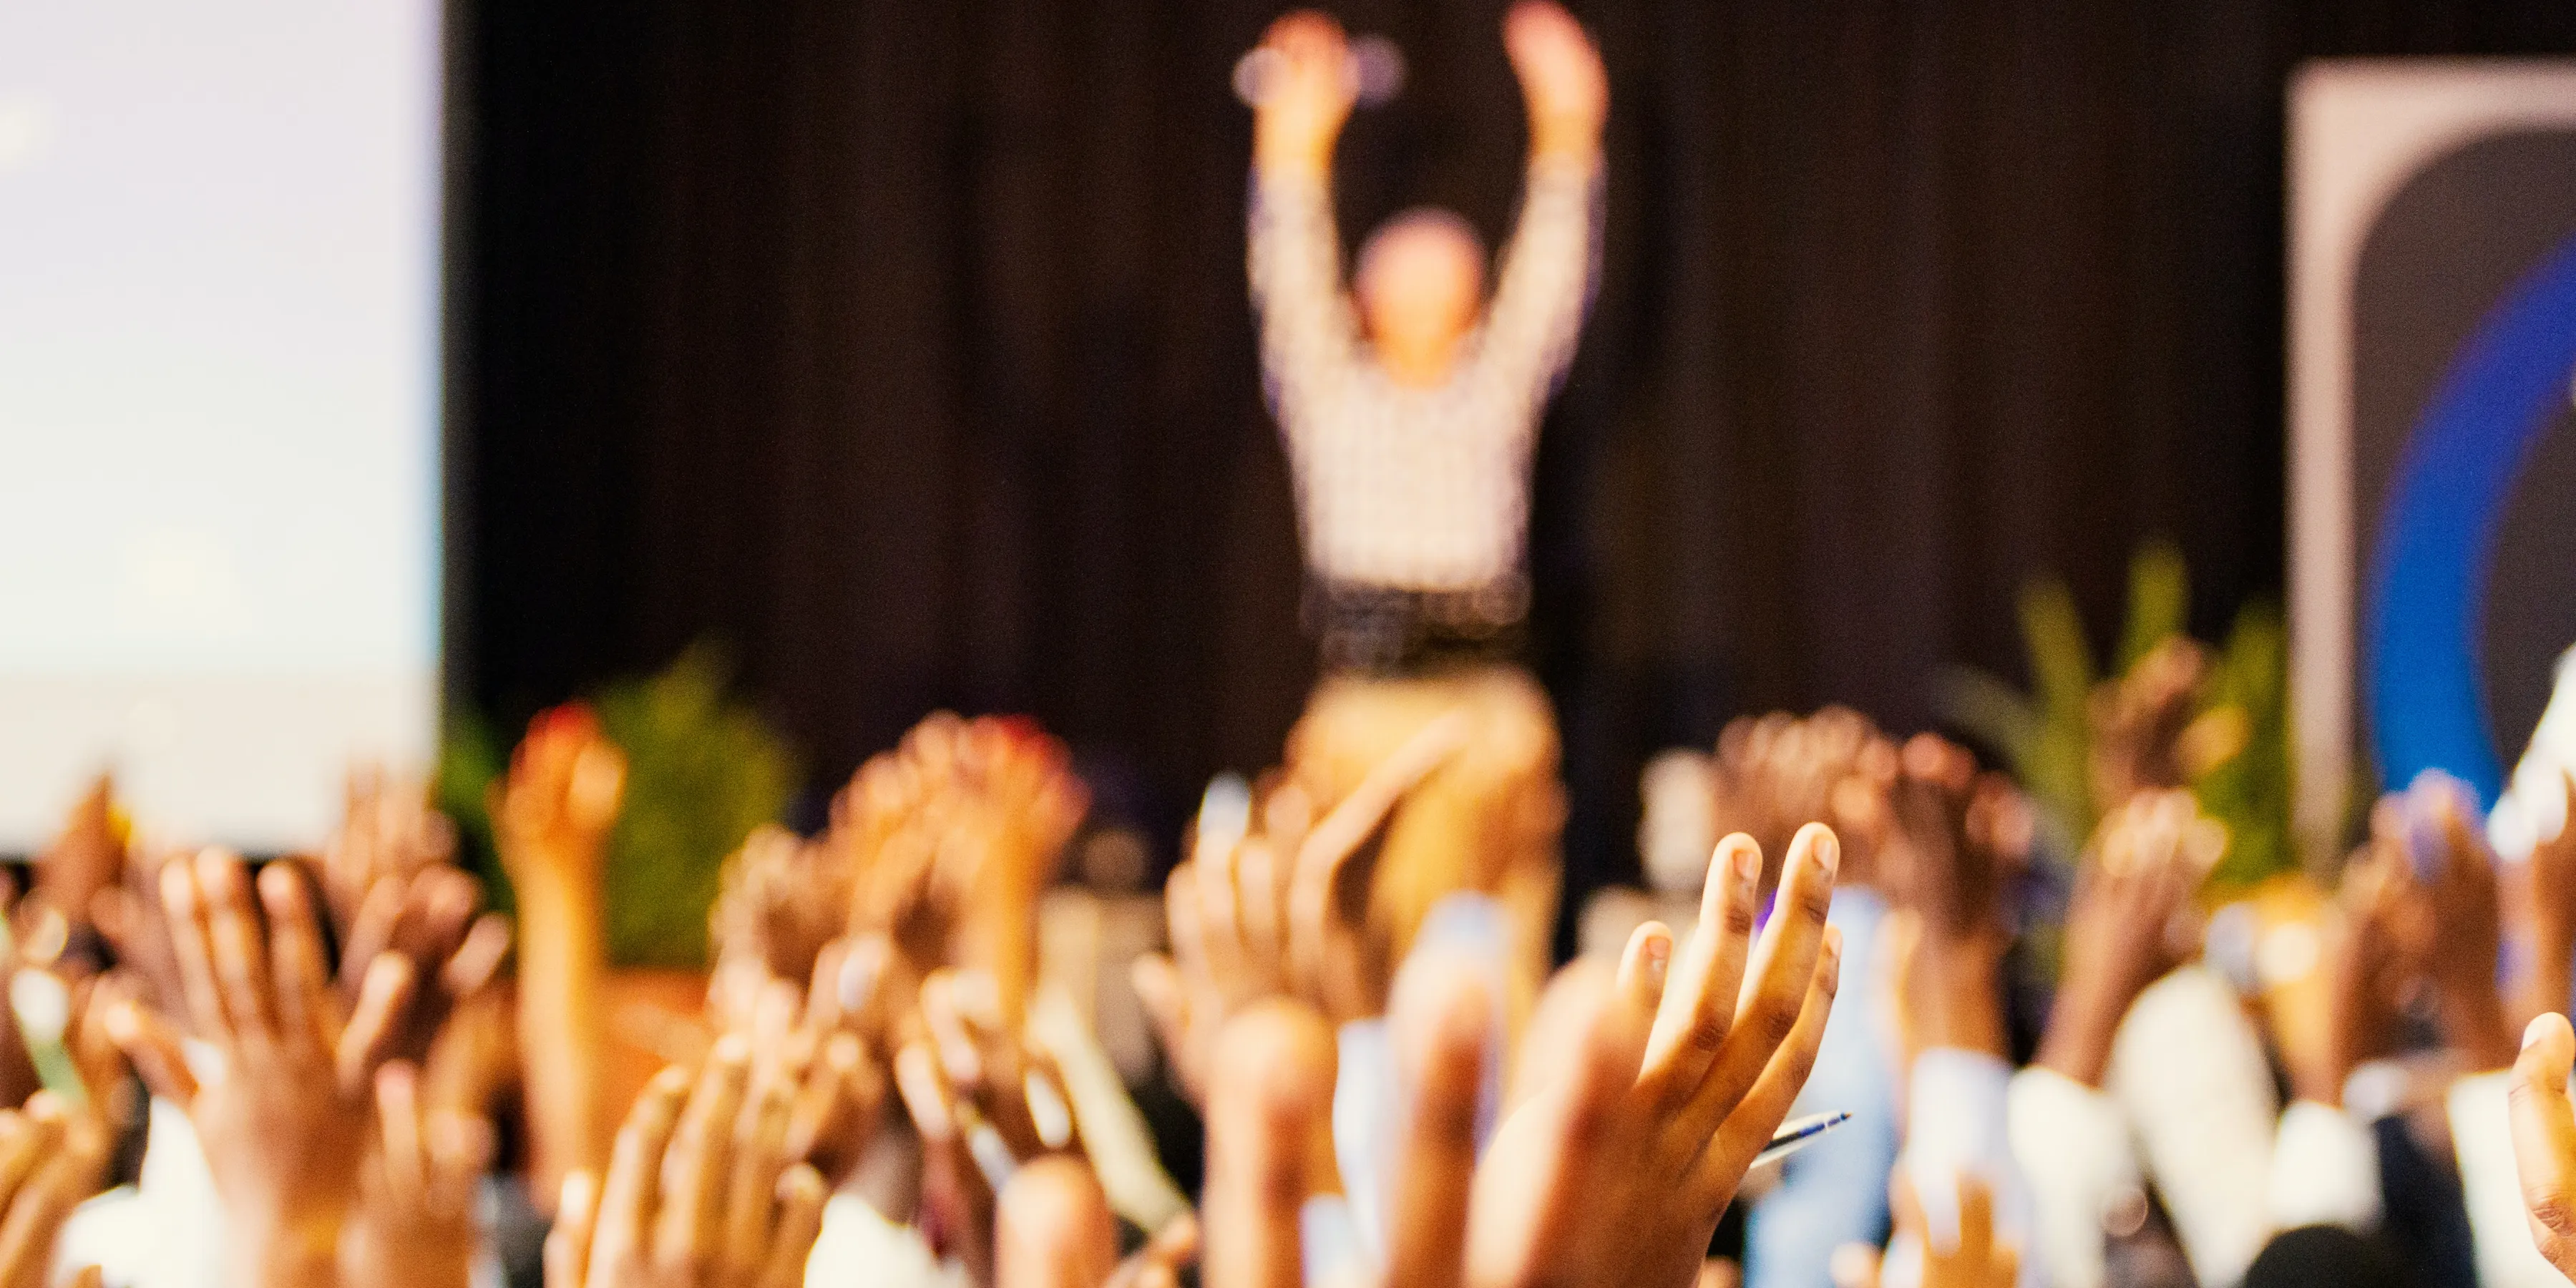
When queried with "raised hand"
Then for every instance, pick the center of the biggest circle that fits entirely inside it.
(387, 829)
(2545, 917)
(1953, 839)
(2367, 963)
(1306, 94)
(2459, 913)
(701, 1192)
(1653, 1098)
(2139, 720)
(426, 916)
(47, 1166)
(982, 1102)
(86, 857)
(1778, 772)
(1618, 1166)
(2544, 1138)
(552, 814)
(784, 901)
(829, 1042)
(1976, 1258)
(951, 838)
(553, 810)
(414, 1223)
(1561, 78)
(1282, 911)
(2122, 933)
(284, 1120)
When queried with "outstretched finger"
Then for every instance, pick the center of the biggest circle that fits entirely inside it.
(25, 1139)
(1442, 1016)
(306, 1010)
(1779, 978)
(688, 1228)
(183, 909)
(1181, 915)
(153, 1049)
(35, 1217)
(1743, 1126)
(567, 1254)
(1159, 989)
(1698, 1009)
(1318, 868)
(406, 1163)
(371, 932)
(1220, 918)
(760, 1155)
(241, 953)
(368, 1039)
(801, 1195)
(1976, 1220)
(2544, 1137)
(1053, 1228)
(1271, 1095)
(629, 1199)
(477, 959)
(1645, 964)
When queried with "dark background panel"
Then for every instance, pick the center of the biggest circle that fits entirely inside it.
(902, 347)
(2421, 289)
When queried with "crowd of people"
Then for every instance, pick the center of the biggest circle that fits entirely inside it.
(336, 1069)
(2009, 1052)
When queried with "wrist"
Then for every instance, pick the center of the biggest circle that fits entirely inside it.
(2077, 1044)
(1968, 1010)
(1281, 159)
(1565, 137)
(295, 1251)
(555, 890)
(2320, 1083)
(2476, 1023)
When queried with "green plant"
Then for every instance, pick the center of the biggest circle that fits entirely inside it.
(701, 772)
(469, 758)
(2237, 741)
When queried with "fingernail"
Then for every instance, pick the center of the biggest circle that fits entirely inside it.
(859, 971)
(1659, 959)
(1829, 852)
(2531, 1031)
(1048, 1111)
(1748, 865)
(1467, 923)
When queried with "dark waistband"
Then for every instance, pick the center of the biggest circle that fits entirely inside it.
(1389, 630)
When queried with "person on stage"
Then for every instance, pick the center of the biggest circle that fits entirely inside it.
(1410, 405)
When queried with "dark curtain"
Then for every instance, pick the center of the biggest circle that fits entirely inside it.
(903, 349)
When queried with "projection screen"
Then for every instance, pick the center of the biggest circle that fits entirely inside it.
(219, 389)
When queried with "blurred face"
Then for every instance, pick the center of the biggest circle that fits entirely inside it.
(1421, 281)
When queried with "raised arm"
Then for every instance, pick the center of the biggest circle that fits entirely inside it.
(1307, 330)
(1546, 275)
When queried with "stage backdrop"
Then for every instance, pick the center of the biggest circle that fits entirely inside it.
(2433, 335)
(904, 347)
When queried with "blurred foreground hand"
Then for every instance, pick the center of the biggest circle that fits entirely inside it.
(1653, 1093)
(700, 1192)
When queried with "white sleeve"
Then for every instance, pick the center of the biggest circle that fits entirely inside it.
(2188, 1071)
(2325, 1170)
(2482, 1137)
(1545, 280)
(2073, 1147)
(1309, 335)
(1957, 1123)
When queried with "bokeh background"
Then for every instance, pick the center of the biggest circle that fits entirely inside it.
(901, 348)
